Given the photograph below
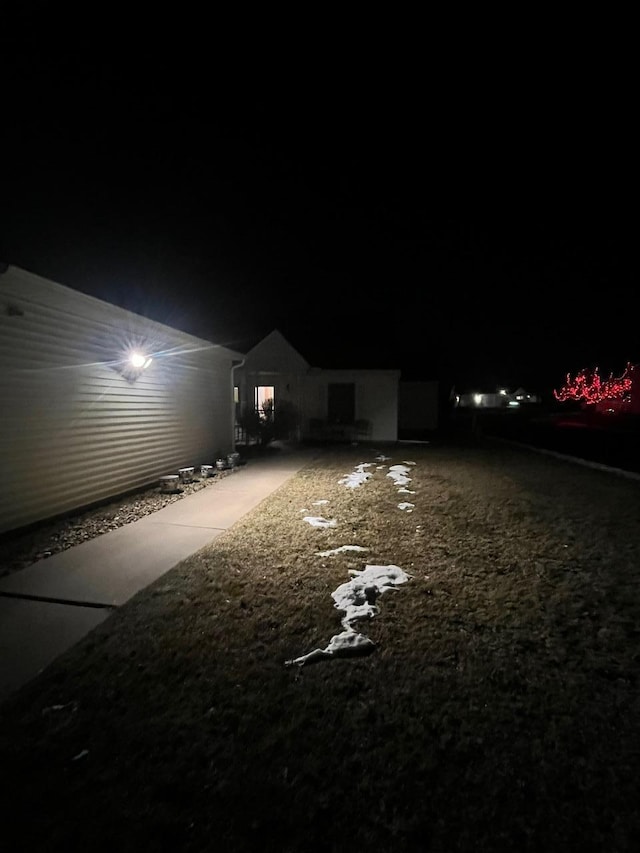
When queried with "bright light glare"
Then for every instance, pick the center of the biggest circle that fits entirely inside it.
(138, 360)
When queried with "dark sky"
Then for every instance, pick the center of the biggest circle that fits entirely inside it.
(463, 218)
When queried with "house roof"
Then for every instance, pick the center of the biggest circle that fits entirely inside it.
(275, 349)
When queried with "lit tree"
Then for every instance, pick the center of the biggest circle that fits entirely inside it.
(590, 387)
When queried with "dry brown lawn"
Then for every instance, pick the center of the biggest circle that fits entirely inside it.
(498, 711)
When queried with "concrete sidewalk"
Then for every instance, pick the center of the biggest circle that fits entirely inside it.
(49, 606)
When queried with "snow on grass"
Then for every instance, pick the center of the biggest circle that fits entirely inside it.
(399, 474)
(340, 550)
(319, 521)
(357, 598)
(358, 476)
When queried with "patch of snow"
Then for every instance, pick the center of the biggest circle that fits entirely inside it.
(340, 549)
(319, 521)
(399, 474)
(357, 599)
(357, 477)
(346, 644)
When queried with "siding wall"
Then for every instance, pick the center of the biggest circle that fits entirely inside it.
(376, 396)
(73, 429)
(273, 361)
(288, 390)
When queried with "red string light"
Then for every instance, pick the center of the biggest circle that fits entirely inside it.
(590, 387)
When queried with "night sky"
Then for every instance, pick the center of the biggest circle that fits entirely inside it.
(475, 223)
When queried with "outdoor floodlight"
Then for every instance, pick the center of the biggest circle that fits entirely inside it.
(140, 361)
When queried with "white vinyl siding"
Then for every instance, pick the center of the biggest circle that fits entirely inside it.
(74, 430)
(376, 398)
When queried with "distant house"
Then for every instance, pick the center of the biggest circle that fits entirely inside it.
(501, 399)
(329, 405)
(81, 422)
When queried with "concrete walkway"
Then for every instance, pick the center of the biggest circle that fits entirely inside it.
(49, 606)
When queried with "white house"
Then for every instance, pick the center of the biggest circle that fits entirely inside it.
(328, 404)
(501, 399)
(81, 423)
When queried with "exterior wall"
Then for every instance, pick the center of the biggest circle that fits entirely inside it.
(273, 361)
(289, 388)
(76, 430)
(376, 398)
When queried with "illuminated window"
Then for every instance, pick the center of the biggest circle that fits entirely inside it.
(265, 400)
